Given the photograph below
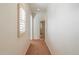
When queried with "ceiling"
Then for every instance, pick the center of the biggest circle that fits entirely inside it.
(35, 7)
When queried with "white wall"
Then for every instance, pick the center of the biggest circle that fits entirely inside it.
(62, 34)
(40, 16)
(31, 19)
(36, 26)
(9, 43)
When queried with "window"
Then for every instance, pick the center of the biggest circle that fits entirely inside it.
(21, 20)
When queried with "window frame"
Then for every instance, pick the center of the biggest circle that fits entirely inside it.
(19, 33)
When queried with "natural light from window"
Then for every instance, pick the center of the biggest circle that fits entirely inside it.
(22, 20)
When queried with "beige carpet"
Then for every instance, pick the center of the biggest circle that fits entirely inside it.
(38, 47)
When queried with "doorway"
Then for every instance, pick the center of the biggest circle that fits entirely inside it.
(42, 30)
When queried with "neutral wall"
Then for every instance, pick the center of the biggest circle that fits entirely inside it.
(31, 20)
(40, 16)
(62, 32)
(9, 42)
(36, 26)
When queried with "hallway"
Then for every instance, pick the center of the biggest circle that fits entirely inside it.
(39, 29)
(38, 47)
